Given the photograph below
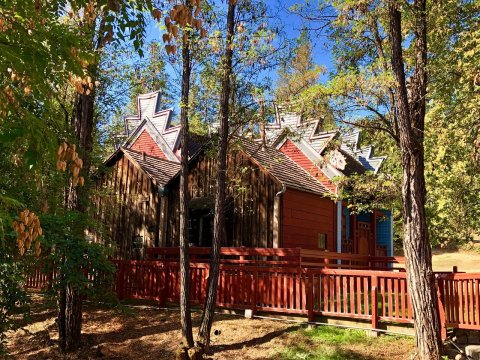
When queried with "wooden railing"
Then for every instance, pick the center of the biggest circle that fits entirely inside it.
(317, 284)
(325, 259)
(460, 300)
(38, 279)
(373, 295)
(283, 257)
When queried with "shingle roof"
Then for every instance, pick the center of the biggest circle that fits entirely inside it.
(162, 171)
(283, 168)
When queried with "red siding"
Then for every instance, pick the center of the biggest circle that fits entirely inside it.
(294, 153)
(305, 216)
(146, 144)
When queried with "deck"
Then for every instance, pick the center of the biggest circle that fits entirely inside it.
(298, 282)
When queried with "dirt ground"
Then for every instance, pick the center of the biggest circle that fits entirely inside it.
(444, 260)
(149, 333)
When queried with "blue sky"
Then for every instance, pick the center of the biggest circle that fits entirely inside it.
(291, 25)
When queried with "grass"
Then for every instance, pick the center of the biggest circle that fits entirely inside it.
(330, 343)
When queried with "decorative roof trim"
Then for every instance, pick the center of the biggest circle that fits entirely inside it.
(147, 125)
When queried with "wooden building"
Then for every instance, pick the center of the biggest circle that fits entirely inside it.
(128, 200)
(281, 194)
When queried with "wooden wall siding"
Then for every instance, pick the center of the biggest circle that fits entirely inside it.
(146, 144)
(304, 216)
(251, 193)
(128, 204)
(294, 153)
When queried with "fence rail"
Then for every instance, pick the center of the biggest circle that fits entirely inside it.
(460, 299)
(38, 279)
(262, 280)
(283, 257)
(373, 295)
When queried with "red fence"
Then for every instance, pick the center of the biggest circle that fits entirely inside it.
(460, 300)
(284, 257)
(372, 295)
(317, 284)
(38, 279)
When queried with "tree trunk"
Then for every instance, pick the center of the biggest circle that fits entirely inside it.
(185, 311)
(73, 318)
(62, 303)
(220, 196)
(83, 125)
(70, 317)
(411, 105)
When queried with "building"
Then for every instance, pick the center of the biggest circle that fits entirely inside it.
(281, 193)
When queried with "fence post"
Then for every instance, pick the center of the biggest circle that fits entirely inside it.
(441, 307)
(254, 295)
(50, 280)
(161, 284)
(163, 294)
(120, 281)
(310, 282)
(374, 293)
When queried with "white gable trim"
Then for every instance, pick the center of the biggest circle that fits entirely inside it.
(318, 160)
(153, 132)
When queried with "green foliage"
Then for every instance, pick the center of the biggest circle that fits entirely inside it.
(452, 128)
(69, 249)
(369, 191)
(123, 75)
(13, 298)
(46, 48)
(362, 87)
(256, 51)
(296, 79)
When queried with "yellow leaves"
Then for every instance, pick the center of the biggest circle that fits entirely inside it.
(83, 85)
(171, 49)
(28, 230)
(182, 17)
(67, 153)
(5, 24)
(240, 28)
(157, 14)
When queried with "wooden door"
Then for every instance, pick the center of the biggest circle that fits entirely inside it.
(363, 238)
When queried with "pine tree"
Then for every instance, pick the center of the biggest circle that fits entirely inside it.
(296, 78)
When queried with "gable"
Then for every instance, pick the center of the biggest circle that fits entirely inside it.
(294, 153)
(148, 109)
(145, 143)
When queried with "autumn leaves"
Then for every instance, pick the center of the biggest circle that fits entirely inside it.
(27, 225)
(182, 16)
(28, 231)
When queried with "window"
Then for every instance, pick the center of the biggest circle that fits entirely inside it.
(322, 241)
